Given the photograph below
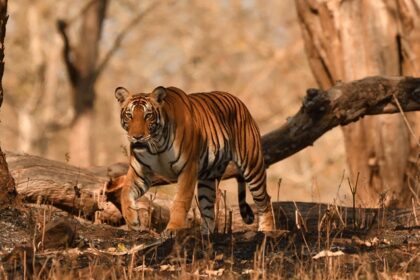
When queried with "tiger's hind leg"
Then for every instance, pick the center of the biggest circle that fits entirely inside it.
(254, 176)
(206, 190)
(245, 210)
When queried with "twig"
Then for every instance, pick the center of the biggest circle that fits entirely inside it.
(299, 219)
(415, 196)
(230, 221)
(130, 268)
(44, 265)
(407, 123)
(43, 229)
(339, 185)
(353, 193)
(414, 211)
(278, 189)
(339, 216)
(132, 251)
(224, 202)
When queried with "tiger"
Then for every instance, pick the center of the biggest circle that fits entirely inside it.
(191, 138)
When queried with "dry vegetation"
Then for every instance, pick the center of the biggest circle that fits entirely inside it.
(47, 243)
(253, 49)
(314, 241)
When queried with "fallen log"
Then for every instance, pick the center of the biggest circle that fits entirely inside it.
(76, 190)
(80, 192)
(40, 180)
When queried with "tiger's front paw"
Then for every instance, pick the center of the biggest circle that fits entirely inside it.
(131, 217)
(266, 221)
(130, 211)
(178, 217)
(168, 233)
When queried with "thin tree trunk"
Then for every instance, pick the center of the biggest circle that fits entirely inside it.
(347, 41)
(34, 117)
(3, 22)
(29, 132)
(80, 139)
(81, 62)
(7, 184)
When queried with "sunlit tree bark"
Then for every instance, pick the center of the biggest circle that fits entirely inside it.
(353, 39)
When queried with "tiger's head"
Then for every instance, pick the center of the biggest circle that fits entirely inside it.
(141, 115)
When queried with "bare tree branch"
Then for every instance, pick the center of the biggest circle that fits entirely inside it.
(120, 37)
(342, 104)
(68, 53)
(80, 13)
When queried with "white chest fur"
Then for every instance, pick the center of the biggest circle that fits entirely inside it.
(164, 164)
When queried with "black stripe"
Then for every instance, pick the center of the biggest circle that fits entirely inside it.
(137, 157)
(138, 175)
(212, 188)
(208, 199)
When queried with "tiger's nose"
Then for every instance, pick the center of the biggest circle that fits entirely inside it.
(136, 138)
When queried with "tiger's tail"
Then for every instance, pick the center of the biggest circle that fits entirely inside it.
(246, 211)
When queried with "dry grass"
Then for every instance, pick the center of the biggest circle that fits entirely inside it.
(383, 251)
(321, 242)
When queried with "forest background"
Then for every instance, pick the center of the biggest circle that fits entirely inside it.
(64, 60)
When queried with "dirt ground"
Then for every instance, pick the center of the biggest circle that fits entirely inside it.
(42, 242)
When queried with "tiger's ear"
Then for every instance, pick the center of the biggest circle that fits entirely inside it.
(159, 94)
(121, 94)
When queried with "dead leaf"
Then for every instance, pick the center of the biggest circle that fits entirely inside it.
(167, 267)
(328, 253)
(219, 257)
(218, 272)
(143, 268)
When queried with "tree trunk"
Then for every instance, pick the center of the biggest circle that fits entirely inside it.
(409, 41)
(7, 184)
(347, 41)
(80, 139)
(29, 131)
(37, 116)
(81, 62)
(3, 21)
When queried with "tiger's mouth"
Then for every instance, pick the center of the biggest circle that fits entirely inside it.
(138, 145)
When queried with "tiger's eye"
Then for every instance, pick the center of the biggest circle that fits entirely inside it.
(148, 116)
(128, 115)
